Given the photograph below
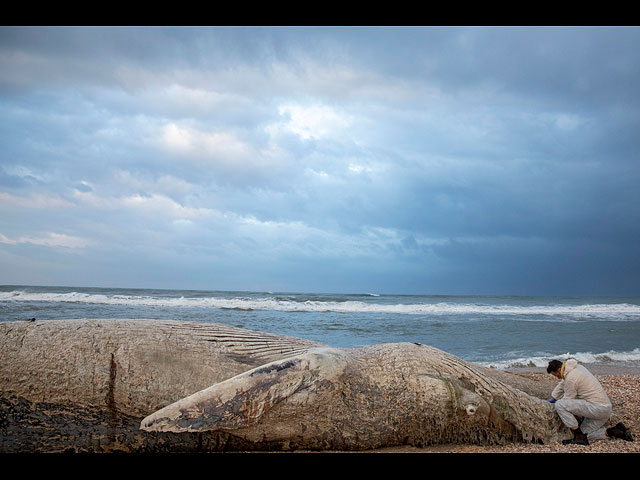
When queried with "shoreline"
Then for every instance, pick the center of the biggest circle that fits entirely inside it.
(617, 368)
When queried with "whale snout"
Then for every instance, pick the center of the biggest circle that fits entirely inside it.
(150, 425)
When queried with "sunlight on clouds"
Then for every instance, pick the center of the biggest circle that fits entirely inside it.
(157, 205)
(192, 142)
(317, 174)
(177, 139)
(314, 121)
(224, 156)
(358, 168)
(161, 205)
(83, 186)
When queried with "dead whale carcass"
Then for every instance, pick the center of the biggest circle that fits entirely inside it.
(129, 366)
(381, 395)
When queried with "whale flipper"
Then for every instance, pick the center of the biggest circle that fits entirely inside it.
(241, 400)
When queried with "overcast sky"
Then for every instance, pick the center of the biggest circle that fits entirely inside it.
(387, 160)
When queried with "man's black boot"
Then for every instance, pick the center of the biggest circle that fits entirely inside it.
(579, 438)
(620, 431)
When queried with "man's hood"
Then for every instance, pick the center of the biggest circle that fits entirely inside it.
(568, 365)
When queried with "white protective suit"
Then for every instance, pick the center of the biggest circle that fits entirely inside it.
(579, 393)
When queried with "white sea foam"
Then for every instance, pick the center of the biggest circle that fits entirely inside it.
(612, 357)
(617, 311)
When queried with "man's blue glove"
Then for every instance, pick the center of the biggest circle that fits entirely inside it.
(552, 400)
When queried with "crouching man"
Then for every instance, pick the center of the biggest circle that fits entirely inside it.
(580, 394)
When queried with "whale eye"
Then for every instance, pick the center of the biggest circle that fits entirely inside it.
(471, 409)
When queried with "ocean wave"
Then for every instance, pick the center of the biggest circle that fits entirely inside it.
(610, 357)
(293, 303)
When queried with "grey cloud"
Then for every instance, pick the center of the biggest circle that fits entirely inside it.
(500, 159)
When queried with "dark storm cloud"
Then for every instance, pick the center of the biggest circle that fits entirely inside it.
(445, 160)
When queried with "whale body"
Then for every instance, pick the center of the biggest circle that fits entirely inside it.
(364, 398)
(150, 385)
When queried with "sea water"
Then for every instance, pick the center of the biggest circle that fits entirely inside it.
(493, 331)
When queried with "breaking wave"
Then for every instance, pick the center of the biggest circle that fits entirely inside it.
(338, 304)
(611, 357)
